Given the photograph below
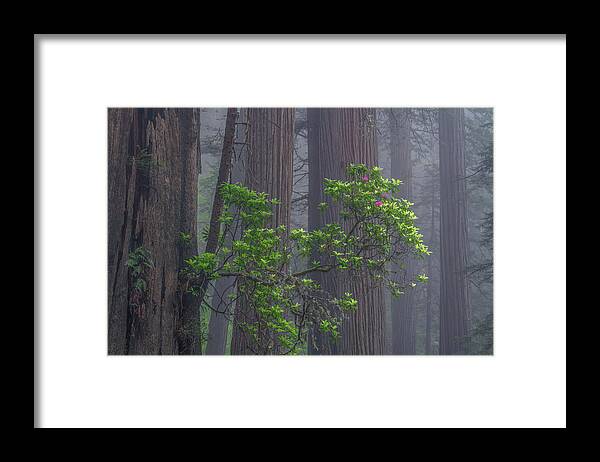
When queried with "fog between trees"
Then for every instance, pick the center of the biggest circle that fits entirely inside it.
(163, 172)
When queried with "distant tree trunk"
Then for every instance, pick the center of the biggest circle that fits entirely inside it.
(224, 172)
(315, 197)
(315, 179)
(217, 326)
(454, 296)
(403, 309)
(347, 135)
(269, 169)
(153, 164)
(429, 308)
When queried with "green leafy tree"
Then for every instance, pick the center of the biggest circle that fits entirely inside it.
(379, 229)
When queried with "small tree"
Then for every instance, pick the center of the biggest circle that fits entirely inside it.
(288, 302)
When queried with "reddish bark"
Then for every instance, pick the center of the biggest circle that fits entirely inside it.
(153, 162)
(268, 169)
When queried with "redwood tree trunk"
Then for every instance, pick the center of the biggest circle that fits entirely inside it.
(315, 178)
(403, 309)
(454, 296)
(153, 163)
(347, 135)
(315, 197)
(429, 307)
(269, 168)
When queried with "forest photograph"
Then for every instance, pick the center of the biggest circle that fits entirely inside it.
(250, 231)
(300, 231)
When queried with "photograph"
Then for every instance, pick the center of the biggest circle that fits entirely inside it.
(289, 231)
(300, 231)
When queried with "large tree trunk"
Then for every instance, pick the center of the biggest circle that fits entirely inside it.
(315, 197)
(315, 178)
(403, 309)
(347, 135)
(454, 296)
(269, 169)
(153, 163)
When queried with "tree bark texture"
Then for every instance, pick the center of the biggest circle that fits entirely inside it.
(153, 163)
(269, 169)
(429, 302)
(315, 197)
(454, 295)
(403, 309)
(347, 135)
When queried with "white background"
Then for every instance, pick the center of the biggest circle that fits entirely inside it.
(523, 384)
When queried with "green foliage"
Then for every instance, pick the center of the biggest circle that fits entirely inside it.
(185, 238)
(138, 261)
(330, 328)
(377, 228)
(368, 198)
(347, 302)
(255, 207)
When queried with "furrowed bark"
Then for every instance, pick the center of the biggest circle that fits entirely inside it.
(403, 309)
(347, 135)
(454, 296)
(153, 162)
(269, 169)
(315, 197)
(429, 307)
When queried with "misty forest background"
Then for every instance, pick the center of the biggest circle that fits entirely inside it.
(164, 166)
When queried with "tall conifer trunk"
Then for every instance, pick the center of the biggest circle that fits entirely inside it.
(269, 168)
(454, 296)
(315, 197)
(429, 302)
(153, 164)
(347, 135)
(403, 309)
